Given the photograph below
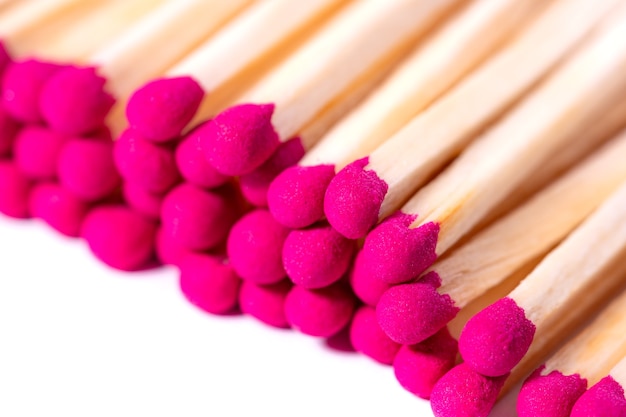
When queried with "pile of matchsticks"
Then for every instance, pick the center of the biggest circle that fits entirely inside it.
(444, 180)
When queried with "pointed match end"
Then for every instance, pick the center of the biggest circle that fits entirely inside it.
(551, 395)
(497, 338)
(241, 138)
(604, 399)
(353, 199)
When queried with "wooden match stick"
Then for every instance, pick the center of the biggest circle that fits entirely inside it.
(296, 196)
(324, 68)
(371, 188)
(530, 231)
(554, 387)
(606, 397)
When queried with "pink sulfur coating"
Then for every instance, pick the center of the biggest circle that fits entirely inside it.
(410, 313)
(86, 168)
(418, 367)
(73, 101)
(322, 312)
(120, 237)
(209, 283)
(162, 108)
(604, 399)
(296, 196)
(149, 165)
(255, 185)
(241, 138)
(168, 251)
(462, 392)
(15, 188)
(254, 246)
(5, 59)
(142, 201)
(193, 164)
(37, 151)
(59, 208)
(353, 199)
(368, 338)
(367, 288)
(551, 395)
(497, 338)
(266, 303)
(22, 85)
(395, 253)
(197, 219)
(9, 128)
(317, 256)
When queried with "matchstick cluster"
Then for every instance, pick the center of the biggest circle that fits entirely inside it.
(443, 182)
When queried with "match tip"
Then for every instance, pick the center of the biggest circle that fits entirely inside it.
(162, 108)
(317, 256)
(254, 246)
(551, 395)
(86, 168)
(241, 138)
(209, 283)
(322, 312)
(418, 367)
(255, 185)
(58, 208)
(410, 313)
(142, 201)
(296, 196)
(353, 199)
(394, 253)
(15, 188)
(5, 58)
(367, 288)
(22, 85)
(464, 392)
(37, 150)
(497, 338)
(604, 399)
(73, 101)
(9, 128)
(266, 303)
(120, 237)
(368, 338)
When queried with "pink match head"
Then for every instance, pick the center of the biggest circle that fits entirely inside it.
(410, 313)
(59, 208)
(394, 253)
(367, 337)
(195, 218)
(296, 196)
(255, 184)
(22, 85)
(15, 188)
(5, 59)
(142, 201)
(149, 165)
(161, 109)
(9, 128)
(497, 338)
(604, 399)
(209, 283)
(353, 199)
(463, 392)
(322, 312)
(168, 251)
(120, 237)
(86, 168)
(37, 151)
(193, 164)
(418, 367)
(73, 101)
(241, 138)
(551, 395)
(254, 246)
(317, 256)
(367, 288)
(266, 303)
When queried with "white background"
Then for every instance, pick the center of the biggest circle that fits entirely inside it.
(79, 339)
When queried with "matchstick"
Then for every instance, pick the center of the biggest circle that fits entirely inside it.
(296, 196)
(606, 397)
(371, 188)
(242, 138)
(579, 91)
(554, 387)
